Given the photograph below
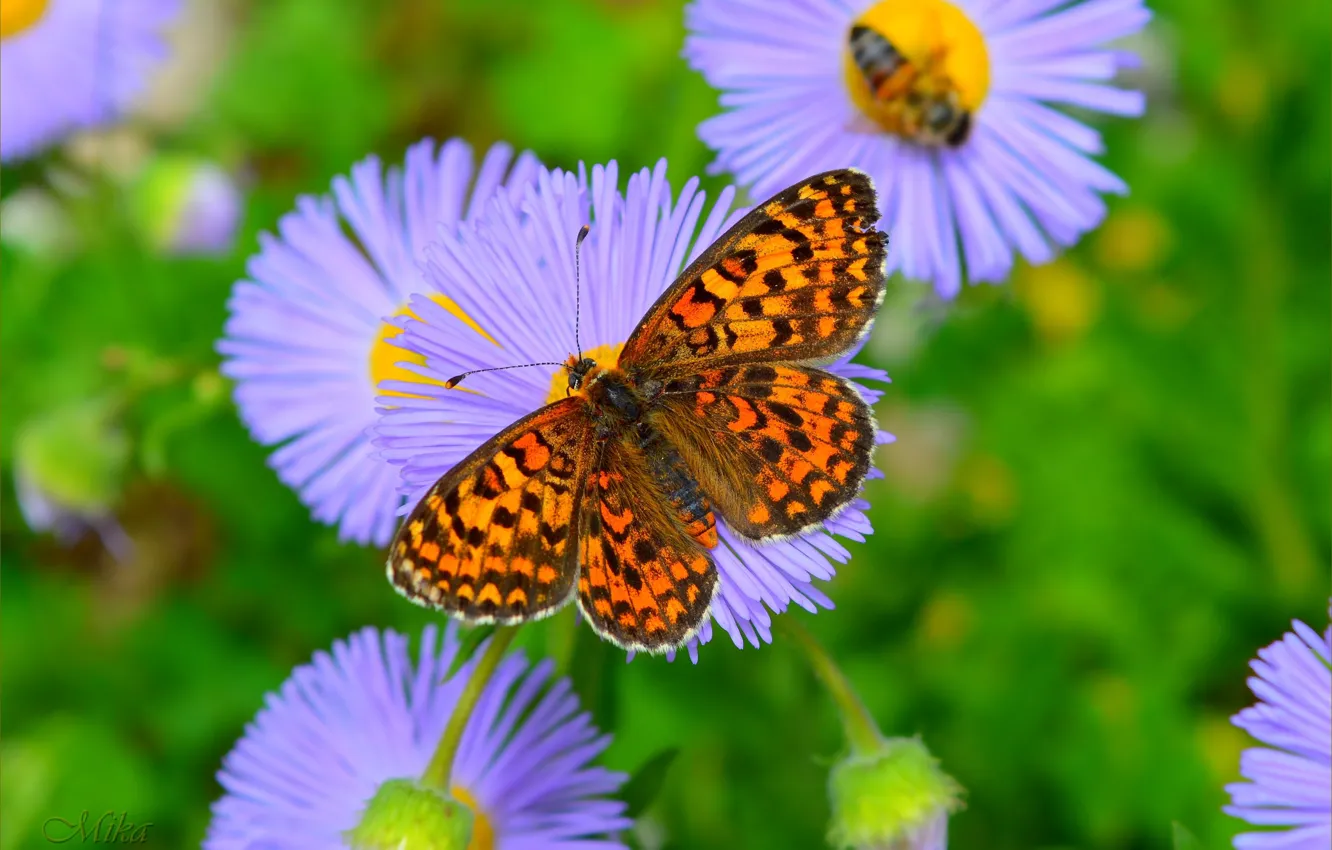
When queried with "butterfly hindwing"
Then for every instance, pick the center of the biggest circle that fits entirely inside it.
(798, 278)
(493, 540)
(645, 583)
(777, 448)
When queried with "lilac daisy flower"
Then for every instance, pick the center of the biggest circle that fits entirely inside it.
(511, 273)
(947, 105)
(69, 64)
(1290, 783)
(305, 341)
(348, 722)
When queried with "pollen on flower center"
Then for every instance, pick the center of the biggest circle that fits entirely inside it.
(18, 15)
(936, 53)
(385, 357)
(483, 834)
(606, 356)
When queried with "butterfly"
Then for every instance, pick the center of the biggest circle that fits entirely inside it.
(715, 409)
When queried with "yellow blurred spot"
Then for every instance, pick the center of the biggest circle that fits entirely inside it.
(483, 834)
(1221, 744)
(1242, 93)
(1114, 698)
(209, 387)
(920, 28)
(988, 483)
(18, 15)
(385, 356)
(1162, 306)
(606, 356)
(1060, 298)
(946, 620)
(1133, 240)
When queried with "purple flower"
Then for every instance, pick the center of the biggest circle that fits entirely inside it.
(305, 340)
(1014, 176)
(511, 273)
(347, 722)
(69, 64)
(1290, 782)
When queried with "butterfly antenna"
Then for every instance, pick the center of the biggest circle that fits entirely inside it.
(457, 379)
(578, 288)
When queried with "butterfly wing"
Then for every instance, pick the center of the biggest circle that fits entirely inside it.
(492, 541)
(798, 278)
(644, 583)
(777, 448)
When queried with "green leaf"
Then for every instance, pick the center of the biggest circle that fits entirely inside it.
(643, 787)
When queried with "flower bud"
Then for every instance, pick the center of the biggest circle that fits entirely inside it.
(406, 815)
(75, 457)
(187, 206)
(894, 797)
(69, 468)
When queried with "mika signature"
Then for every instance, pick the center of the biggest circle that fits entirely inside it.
(110, 828)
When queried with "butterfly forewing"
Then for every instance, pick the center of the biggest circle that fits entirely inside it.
(797, 279)
(493, 540)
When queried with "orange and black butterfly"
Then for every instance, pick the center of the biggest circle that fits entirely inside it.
(714, 410)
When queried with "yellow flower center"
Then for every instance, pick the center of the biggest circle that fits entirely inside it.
(606, 357)
(385, 357)
(935, 58)
(18, 15)
(483, 834)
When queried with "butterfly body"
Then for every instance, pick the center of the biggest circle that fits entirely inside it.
(612, 495)
(620, 408)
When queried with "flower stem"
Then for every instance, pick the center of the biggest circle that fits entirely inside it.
(439, 772)
(861, 730)
(1274, 507)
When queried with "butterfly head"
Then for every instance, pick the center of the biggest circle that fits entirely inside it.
(580, 370)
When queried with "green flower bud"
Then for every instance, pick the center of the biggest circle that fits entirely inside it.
(406, 815)
(893, 797)
(186, 205)
(74, 457)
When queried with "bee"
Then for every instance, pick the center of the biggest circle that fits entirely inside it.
(917, 101)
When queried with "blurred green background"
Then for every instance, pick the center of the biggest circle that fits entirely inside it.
(1110, 486)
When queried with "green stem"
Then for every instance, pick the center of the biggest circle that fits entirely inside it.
(439, 772)
(861, 730)
(561, 638)
(1272, 504)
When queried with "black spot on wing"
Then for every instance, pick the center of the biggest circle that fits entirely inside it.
(644, 551)
(786, 413)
